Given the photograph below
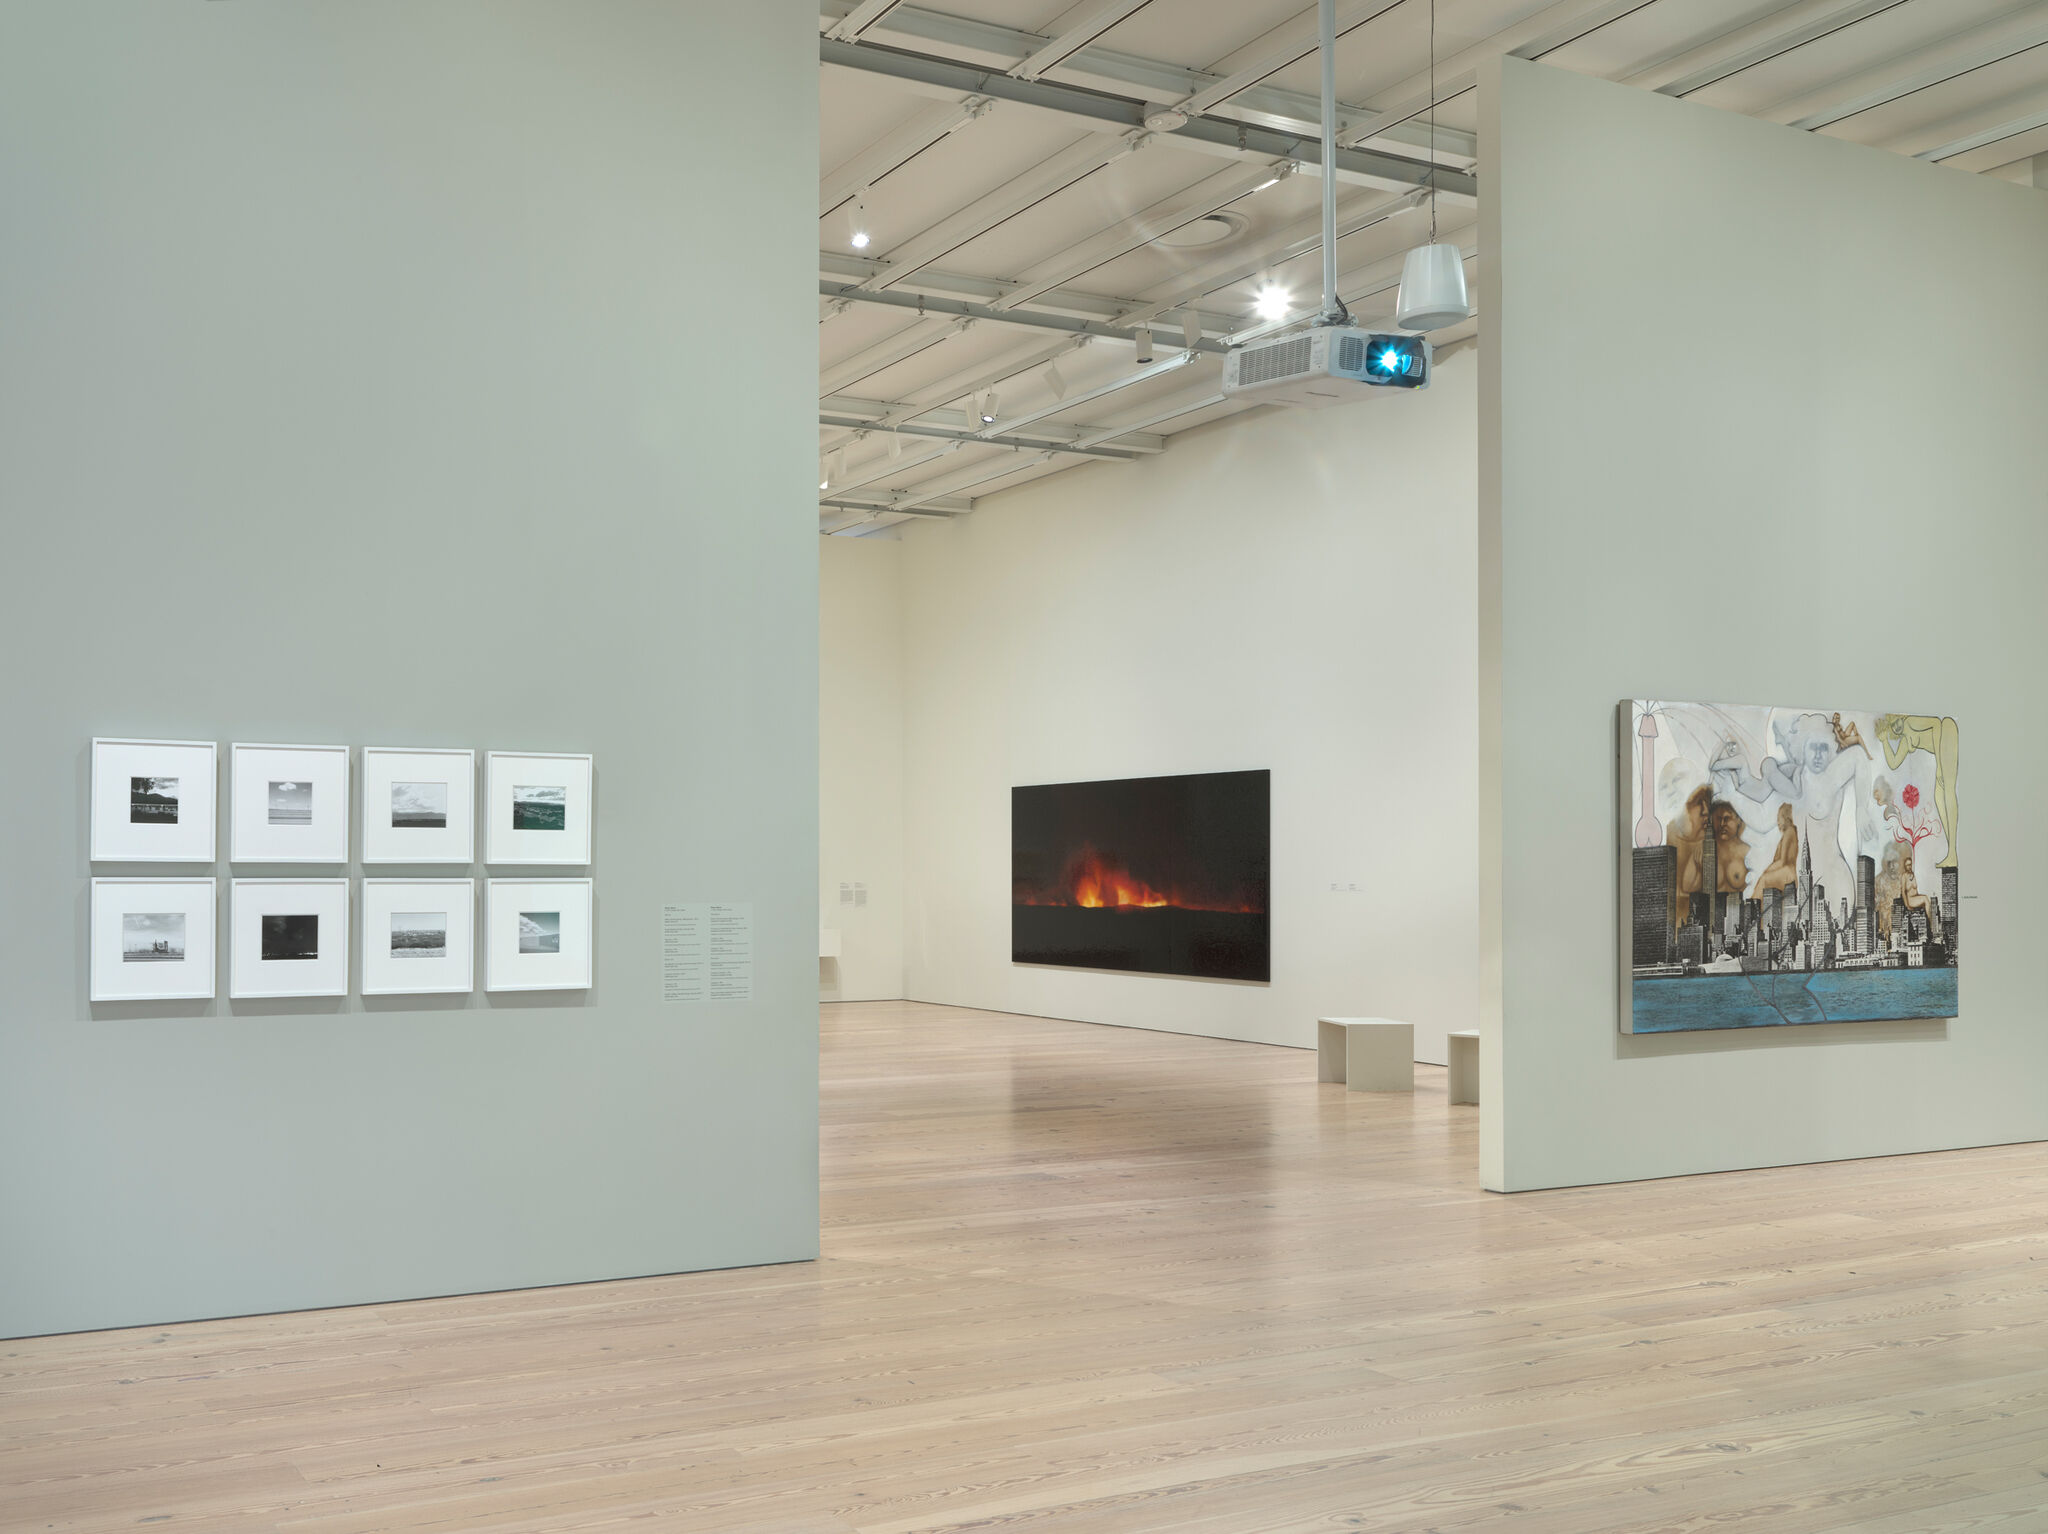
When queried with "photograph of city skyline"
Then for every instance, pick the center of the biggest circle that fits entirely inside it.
(1787, 866)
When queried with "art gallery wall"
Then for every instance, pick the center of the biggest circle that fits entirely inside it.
(860, 766)
(1761, 424)
(353, 392)
(1289, 590)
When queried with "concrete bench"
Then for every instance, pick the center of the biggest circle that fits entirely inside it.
(1367, 1054)
(1464, 1065)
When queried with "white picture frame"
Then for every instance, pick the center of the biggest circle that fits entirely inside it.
(525, 952)
(272, 952)
(405, 791)
(136, 818)
(525, 789)
(153, 939)
(396, 928)
(287, 804)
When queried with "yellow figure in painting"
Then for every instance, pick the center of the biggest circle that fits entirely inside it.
(1901, 733)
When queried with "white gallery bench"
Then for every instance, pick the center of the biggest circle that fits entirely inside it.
(1367, 1054)
(1464, 1065)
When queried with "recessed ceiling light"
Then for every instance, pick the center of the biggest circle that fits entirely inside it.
(1210, 229)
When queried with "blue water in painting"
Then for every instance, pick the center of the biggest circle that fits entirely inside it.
(1680, 1005)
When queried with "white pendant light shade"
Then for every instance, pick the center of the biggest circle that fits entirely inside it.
(1432, 289)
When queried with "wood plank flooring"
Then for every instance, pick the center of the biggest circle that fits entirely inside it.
(1099, 1281)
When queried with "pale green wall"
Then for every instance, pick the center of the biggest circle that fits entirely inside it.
(409, 373)
(1762, 424)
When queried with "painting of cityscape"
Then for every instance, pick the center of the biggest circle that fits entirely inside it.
(1787, 865)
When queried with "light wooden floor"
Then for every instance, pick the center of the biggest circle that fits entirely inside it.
(1087, 1279)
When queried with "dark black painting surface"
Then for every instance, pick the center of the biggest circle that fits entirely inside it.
(1164, 875)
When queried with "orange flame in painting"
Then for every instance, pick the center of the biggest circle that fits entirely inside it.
(1101, 883)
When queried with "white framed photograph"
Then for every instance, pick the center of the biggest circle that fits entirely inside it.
(152, 939)
(288, 804)
(287, 937)
(419, 936)
(152, 801)
(419, 806)
(537, 807)
(537, 934)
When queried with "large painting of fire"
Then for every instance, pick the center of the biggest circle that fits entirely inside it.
(1167, 876)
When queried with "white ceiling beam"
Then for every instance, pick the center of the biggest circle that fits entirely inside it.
(936, 506)
(886, 353)
(1151, 80)
(1532, 37)
(1077, 37)
(874, 412)
(1286, 44)
(1214, 135)
(1916, 70)
(858, 18)
(871, 164)
(2005, 130)
(1037, 441)
(1089, 396)
(1077, 161)
(924, 305)
(1163, 217)
(1766, 40)
(992, 290)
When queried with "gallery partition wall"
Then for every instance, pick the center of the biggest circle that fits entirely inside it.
(355, 396)
(1760, 426)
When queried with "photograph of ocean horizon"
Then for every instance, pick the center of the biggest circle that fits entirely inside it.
(291, 804)
(152, 937)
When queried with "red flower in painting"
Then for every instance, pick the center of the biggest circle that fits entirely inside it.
(1911, 796)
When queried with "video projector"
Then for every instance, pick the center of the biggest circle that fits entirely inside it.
(1326, 365)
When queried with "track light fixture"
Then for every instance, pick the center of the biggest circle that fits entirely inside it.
(1144, 345)
(1055, 379)
(1272, 302)
(988, 408)
(859, 238)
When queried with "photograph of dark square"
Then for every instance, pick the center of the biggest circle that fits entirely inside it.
(539, 807)
(419, 806)
(1167, 876)
(291, 937)
(153, 801)
(291, 804)
(419, 934)
(152, 937)
(540, 931)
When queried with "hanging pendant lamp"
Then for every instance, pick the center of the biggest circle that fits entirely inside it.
(1433, 277)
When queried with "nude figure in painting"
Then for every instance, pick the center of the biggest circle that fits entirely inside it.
(1783, 874)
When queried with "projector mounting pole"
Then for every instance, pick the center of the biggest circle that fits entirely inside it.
(1334, 312)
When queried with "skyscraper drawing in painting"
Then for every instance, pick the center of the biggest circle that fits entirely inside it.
(1788, 866)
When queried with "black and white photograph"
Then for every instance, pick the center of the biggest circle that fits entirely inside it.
(153, 801)
(152, 937)
(419, 806)
(419, 934)
(540, 931)
(290, 936)
(291, 803)
(539, 807)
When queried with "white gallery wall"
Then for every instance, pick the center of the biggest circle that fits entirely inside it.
(1762, 423)
(860, 766)
(352, 391)
(1289, 590)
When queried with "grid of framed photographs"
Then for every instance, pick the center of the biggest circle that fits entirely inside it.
(155, 938)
